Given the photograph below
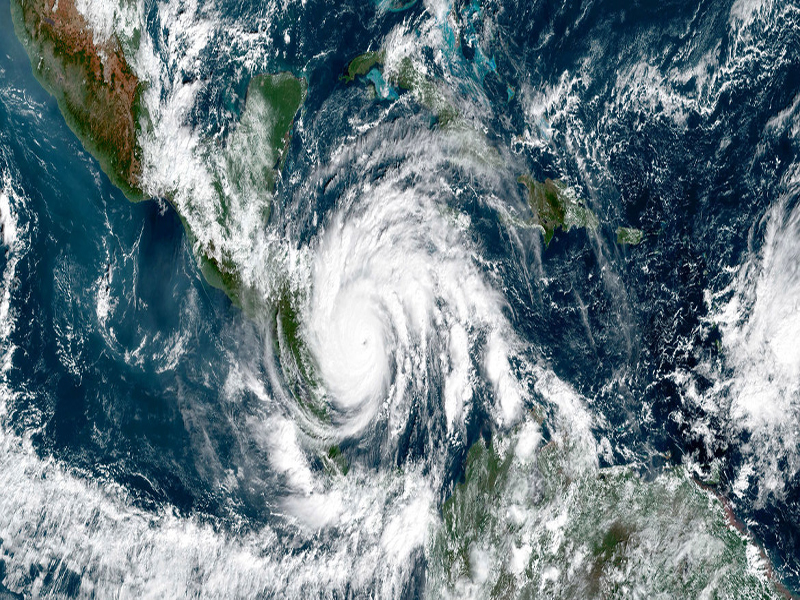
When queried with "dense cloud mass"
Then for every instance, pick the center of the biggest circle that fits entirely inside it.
(424, 299)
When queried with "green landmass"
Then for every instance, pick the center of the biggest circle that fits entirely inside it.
(94, 86)
(464, 520)
(298, 365)
(223, 275)
(629, 236)
(362, 64)
(100, 98)
(408, 77)
(335, 462)
(247, 172)
(256, 149)
(548, 529)
(555, 206)
(288, 323)
(274, 100)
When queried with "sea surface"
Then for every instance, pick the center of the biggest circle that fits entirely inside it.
(153, 436)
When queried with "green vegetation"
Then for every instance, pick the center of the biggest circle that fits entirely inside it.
(554, 525)
(609, 553)
(221, 275)
(101, 100)
(288, 323)
(283, 94)
(246, 171)
(408, 77)
(256, 149)
(629, 235)
(466, 521)
(617, 534)
(555, 206)
(362, 64)
(298, 366)
(335, 462)
(95, 88)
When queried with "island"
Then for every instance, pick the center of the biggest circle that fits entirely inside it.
(629, 236)
(556, 206)
(409, 77)
(406, 77)
(363, 64)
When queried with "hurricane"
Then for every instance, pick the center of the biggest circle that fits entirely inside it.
(427, 299)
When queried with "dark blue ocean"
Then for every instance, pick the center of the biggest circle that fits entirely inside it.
(122, 351)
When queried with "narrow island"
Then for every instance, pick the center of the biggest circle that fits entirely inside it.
(406, 77)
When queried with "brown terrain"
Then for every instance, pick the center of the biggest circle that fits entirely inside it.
(96, 89)
(733, 521)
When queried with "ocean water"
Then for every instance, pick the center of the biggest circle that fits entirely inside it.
(155, 439)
